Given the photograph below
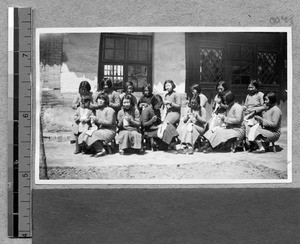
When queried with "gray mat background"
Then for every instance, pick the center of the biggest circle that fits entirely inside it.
(277, 201)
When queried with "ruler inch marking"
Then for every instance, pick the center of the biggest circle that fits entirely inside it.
(19, 188)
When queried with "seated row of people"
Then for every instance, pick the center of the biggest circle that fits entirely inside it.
(103, 117)
(256, 123)
(159, 120)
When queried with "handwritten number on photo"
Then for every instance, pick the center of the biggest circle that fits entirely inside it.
(282, 19)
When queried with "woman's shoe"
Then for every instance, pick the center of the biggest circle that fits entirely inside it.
(121, 151)
(154, 146)
(172, 151)
(141, 151)
(204, 147)
(208, 150)
(77, 151)
(260, 150)
(100, 154)
(190, 150)
(234, 146)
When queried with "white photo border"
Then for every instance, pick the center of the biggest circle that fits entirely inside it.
(37, 100)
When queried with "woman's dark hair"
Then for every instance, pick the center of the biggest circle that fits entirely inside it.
(105, 81)
(84, 85)
(228, 97)
(156, 99)
(223, 84)
(272, 97)
(127, 84)
(128, 97)
(149, 87)
(104, 97)
(196, 87)
(195, 98)
(254, 83)
(171, 82)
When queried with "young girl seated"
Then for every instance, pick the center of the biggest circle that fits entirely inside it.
(196, 91)
(103, 130)
(172, 104)
(129, 135)
(105, 87)
(145, 99)
(267, 127)
(218, 107)
(82, 120)
(128, 90)
(161, 135)
(254, 103)
(192, 125)
(83, 90)
(232, 131)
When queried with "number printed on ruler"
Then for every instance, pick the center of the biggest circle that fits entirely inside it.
(19, 190)
(25, 82)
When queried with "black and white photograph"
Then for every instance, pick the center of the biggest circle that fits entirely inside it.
(163, 105)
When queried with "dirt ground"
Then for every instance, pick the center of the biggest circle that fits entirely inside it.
(63, 164)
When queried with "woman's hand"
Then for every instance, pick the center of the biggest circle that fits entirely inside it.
(259, 119)
(198, 117)
(85, 119)
(76, 118)
(93, 118)
(221, 116)
(193, 119)
(81, 105)
(250, 109)
(167, 103)
(154, 118)
(128, 118)
(218, 100)
(143, 105)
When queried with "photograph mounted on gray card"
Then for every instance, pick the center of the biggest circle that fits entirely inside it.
(163, 105)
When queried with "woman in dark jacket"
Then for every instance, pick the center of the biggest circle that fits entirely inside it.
(161, 134)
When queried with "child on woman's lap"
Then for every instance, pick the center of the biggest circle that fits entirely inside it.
(82, 120)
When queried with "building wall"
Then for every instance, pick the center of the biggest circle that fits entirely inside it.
(169, 60)
(81, 62)
(51, 57)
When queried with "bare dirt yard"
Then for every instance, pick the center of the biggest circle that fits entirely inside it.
(63, 164)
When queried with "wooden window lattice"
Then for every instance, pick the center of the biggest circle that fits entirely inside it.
(211, 65)
(266, 64)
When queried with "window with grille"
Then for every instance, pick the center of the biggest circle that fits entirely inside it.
(266, 67)
(126, 58)
(115, 73)
(211, 65)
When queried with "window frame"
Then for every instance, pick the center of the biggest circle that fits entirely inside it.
(223, 62)
(241, 60)
(126, 62)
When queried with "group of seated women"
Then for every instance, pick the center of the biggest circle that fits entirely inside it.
(161, 123)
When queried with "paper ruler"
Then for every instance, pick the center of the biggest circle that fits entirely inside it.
(19, 122)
